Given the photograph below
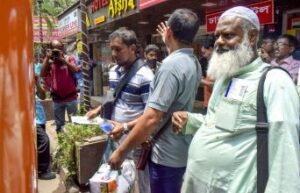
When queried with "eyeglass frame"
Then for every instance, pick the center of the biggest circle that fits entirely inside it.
(281, 44)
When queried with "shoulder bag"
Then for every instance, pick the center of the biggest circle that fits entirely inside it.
(262, 134)
(109, 103)
(147, 147)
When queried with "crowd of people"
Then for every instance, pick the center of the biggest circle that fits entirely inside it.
(213, 151)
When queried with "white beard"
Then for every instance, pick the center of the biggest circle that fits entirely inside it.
(228, 63)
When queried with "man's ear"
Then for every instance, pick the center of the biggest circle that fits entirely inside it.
(169, 32)
(253, 35)
(292, 48)
(133, 47)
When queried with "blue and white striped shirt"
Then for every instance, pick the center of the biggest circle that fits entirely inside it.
(131, 104)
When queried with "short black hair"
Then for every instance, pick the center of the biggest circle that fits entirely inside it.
(270, 37)
(291, 39)
(151, 47)
(127, 36)
(184, 24)
(208, 42)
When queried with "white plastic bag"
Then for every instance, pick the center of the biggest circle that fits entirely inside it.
(127, 178)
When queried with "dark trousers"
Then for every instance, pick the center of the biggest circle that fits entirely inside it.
(43, 147)
(60, 110)
(165, 179)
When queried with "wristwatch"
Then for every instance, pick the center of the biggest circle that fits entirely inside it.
(126, 129)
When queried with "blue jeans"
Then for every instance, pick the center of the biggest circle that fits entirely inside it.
(60, 111)
(165, 179)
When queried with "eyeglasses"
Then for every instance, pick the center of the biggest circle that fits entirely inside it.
(281, 44)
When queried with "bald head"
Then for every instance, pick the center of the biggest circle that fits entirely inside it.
(56, 44)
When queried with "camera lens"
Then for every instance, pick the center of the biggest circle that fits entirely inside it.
(55, 54)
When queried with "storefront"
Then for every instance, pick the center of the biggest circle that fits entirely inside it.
(291, 20)
(102, 18)
(143, 16)
(276, 16)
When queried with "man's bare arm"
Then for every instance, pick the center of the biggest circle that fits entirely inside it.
(71, 66)
(94, 112)
(206, 82)
(144, 127)
(46, 64)
(40, 90)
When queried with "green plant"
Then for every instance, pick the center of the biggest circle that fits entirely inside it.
(81, 110)
(50, 9)
(65, 155)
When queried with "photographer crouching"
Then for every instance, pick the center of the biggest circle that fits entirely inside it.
(58, 72)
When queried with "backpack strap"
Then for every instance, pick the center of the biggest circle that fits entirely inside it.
(262, 127)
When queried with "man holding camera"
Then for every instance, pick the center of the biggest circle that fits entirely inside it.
(59, 74)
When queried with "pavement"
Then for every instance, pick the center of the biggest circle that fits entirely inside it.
(55, 185)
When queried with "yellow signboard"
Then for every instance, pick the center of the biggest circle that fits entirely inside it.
(79, 47)
(291, 32)
(100, 19)
(117, 7)
(79, 36)
(87, 21)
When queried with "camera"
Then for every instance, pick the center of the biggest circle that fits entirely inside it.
(55, 54)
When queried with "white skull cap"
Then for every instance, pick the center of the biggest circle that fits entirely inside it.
(243, 12)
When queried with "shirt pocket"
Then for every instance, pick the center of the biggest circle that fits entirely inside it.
(246, 119)
(227, 114)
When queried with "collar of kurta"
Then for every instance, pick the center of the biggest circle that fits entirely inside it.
(250, 67)
(243, 70)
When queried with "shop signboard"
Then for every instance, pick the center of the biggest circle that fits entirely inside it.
(48, 35)
(264, 11)
(36, 22)
(106, 11)
(143, 4)
(296, 23)
(69, 25)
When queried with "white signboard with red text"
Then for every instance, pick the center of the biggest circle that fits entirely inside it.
(264, 11)
(69, 25)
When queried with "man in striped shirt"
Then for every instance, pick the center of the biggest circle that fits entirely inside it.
(131, 103)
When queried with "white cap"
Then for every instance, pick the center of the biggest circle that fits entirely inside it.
(243, 12)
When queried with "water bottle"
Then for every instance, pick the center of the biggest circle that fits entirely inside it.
(106, 127)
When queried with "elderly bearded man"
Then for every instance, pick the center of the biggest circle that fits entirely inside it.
(222, 155)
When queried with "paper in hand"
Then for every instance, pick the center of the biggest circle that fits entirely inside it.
(85, 121)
